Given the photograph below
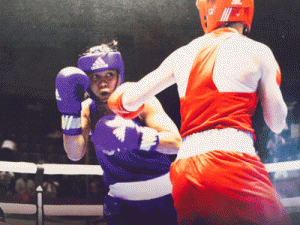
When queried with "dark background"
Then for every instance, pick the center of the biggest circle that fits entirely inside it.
(39, 38)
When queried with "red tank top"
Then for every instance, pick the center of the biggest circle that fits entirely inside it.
(203, 107)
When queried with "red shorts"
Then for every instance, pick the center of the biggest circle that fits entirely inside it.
(225, 188)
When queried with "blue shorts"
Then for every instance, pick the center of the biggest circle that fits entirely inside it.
(159, 211)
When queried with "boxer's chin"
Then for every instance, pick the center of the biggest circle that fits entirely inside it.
(103, 96)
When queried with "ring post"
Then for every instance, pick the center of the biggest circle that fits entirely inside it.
(39, 192)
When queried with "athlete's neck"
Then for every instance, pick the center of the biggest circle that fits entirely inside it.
(238, 26)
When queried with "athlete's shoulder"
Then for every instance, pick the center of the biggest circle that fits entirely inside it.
(192, 47)
(264, 54)
(258, 48)
(196, 43)
(241, 45)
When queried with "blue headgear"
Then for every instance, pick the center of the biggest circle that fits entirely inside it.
(100, 58)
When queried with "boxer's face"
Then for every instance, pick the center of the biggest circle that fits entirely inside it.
(104, 83)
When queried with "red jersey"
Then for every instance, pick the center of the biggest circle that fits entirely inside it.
(204, 107)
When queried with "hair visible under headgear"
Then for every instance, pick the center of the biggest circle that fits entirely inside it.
(102, 57)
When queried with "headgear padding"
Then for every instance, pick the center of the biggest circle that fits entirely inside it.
(100, 58)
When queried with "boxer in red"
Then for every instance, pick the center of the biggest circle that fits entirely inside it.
(217, 177)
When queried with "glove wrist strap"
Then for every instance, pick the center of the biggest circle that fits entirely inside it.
(71, 125)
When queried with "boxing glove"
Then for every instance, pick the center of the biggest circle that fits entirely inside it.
(113, 134)
(115, 103)
(71, 83)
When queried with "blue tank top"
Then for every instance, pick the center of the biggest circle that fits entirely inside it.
(135, 165)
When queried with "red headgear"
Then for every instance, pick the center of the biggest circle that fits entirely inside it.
(214, 13)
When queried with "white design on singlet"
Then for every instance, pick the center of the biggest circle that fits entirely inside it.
(230, 73)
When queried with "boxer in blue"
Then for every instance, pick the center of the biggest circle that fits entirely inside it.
(132, 153)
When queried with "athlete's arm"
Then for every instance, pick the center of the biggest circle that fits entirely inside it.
(269, 93)
(76, 145)
(156, 118)
(150, 85)
(70, 85)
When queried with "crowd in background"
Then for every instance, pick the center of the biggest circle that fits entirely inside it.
(21, 187)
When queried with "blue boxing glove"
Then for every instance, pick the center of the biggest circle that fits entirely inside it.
(113, 134)
(71, 83)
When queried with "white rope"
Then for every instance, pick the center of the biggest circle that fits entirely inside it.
(18, 167)
(54, 210)
(73, 210)
(291, 202)
(52, 169)
(292, 205)
(283, 166)
(15, 208)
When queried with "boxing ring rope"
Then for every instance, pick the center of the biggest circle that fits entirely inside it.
(42, 210)
(282, 166)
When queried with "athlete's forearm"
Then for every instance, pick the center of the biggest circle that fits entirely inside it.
(75, 146)
(145, 89)
(275, 114)
(169, 143)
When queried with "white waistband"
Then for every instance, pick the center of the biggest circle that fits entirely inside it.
(228, 139)
(142, 190)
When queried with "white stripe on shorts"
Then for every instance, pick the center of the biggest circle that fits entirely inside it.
(142, 190)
